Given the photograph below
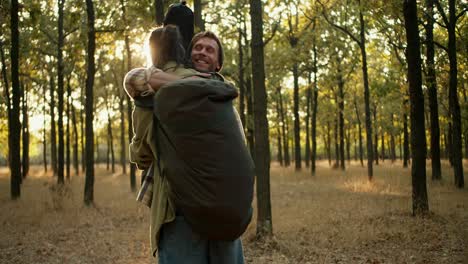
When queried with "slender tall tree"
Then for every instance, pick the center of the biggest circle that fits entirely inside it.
(76, 165)
(7, 96)
(159, 11)
(91, 69)
(358, 118)
(406, 148)
(67, 133)
(314, 104)
(432, 91)
(262, 146)
(129, 102)
(418, 138)
(15, 126)
(60, 93)
(197, 15)
(287, 160)
(53, 131)
(341, 114)
(308, 105)
(25, 132)
(454, 105)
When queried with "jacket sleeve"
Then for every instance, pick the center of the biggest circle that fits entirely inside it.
(140, 150)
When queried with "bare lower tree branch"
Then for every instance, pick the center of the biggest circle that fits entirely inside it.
(342, 29)
(441, 46)
(442, 13)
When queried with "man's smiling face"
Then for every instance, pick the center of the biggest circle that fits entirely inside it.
(205, 55)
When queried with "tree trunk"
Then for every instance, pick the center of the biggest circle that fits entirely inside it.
(308, 98)
(328, 140)
(279, 145)
(14, 130)
(89, 180)
(123, 160)
(53, 135)
(362, 46)
(382, 142)
(129, 102)
(297, 136)
(197, 16)
(82, 140)
(450, 142)
(97, 159)
(283, 128)
(400, 146)
(348, 146)
(240, 65)
(110, 142)
(341, 115)
(358, 118)
(7, 98)
(314, 110)
(278, 131)
(337, 144)
(418, 138)
(25, 133)
(44, 131)
(159, 11)
(406, 149)
(454, 105)
(376, 137)
(392, 141)
(68, 130)
(60, 92)
(75, 139)
(262, 149)
(250, 117)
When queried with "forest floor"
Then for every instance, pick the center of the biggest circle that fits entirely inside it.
(333, 217)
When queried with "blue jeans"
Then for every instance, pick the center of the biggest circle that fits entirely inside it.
(178, 244)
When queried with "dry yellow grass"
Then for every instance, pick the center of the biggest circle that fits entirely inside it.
(333, 217)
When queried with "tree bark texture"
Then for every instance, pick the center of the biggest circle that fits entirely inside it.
(358, 118)
(454, 104)
(297, 135)
(25, 133)
(53, 132)
(159, 11)
(68, 136)
(287, 160)
(262, 146)
(197, 16)
(314, 110)
(341, 116)
(129, 102)
(418, 138)
(370, 155)
(89, 180)
(15, 126)
(240, 65)
(406, 148)
(308, 101)
(431, 83)
(60, 92)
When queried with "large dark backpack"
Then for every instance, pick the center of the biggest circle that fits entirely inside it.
(204, 157)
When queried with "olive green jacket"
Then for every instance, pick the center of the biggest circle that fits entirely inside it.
(143, 153)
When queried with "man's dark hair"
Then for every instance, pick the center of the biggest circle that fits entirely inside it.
(211, 35)
(182, 16)
(166, 45)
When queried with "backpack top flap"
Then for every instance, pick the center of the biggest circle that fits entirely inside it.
(193, 103)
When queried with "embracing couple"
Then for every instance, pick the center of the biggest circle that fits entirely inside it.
(189, 140)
